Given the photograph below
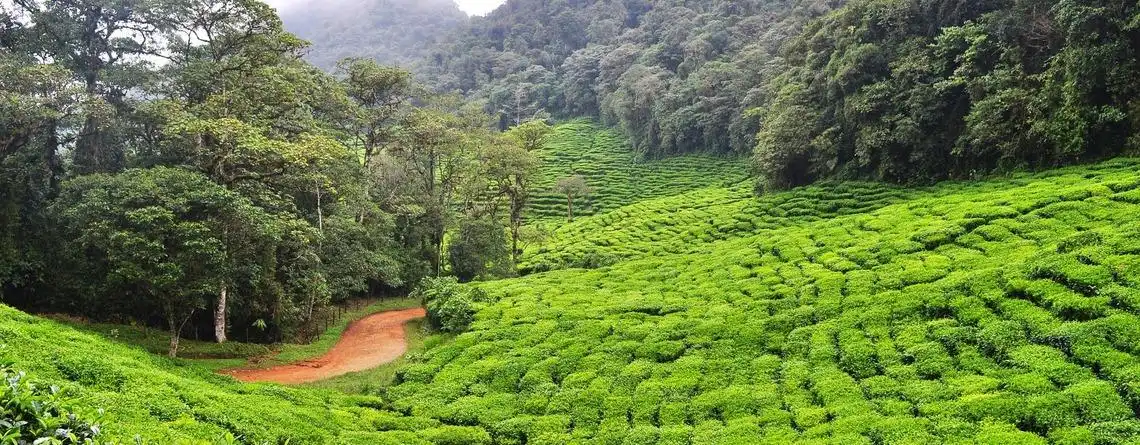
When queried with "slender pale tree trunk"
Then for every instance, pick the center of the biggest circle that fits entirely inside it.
(320, 209)
(515, 243)
(173, 353)
(175, 328)
(220, 315)
(569, 208)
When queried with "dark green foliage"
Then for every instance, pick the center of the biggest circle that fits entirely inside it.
(675, 77)
(31, 413)
(916, 91)
(449, 306)
(158, 234)
(479, 249)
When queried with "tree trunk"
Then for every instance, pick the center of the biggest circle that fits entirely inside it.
(438, 241)
(174, 334)
(320, 211)
(220, 315)
(515, 243)
(175, 328)
(569, 208)
(518, 202)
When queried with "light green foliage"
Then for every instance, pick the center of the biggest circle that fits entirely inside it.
(164, 401)
(946, 314)
(688, 221)
(616, 175)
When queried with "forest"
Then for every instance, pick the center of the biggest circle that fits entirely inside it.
(183, 166)
(627, 221)
(911, 91)
(391, 32)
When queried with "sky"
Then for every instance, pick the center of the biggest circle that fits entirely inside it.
(471, 7)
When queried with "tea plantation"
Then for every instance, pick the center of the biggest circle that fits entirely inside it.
(996, 312)
(690, 221)
(615, 174)
(147, 398)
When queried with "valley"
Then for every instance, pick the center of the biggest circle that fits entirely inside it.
(570, 222)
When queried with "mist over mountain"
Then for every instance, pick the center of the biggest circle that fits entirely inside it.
(393, 32)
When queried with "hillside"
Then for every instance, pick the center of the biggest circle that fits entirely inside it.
(672, 77)
(617, 175)
(165, 401)
(1001, 311)
(393, 32)
(868, 222)
(993, 312)
(690, 221)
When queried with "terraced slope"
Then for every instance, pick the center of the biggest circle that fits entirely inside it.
(985, 312)
(999, 312)
(616, 175)
(690, 221)
(162, 401)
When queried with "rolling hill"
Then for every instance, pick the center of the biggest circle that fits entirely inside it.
(1000, 311)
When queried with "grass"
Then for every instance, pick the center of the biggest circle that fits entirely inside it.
(233, 354)
(988, 312)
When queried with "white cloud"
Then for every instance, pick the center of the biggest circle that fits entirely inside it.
(471, 7)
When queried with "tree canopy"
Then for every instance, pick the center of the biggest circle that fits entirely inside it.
(191, 169)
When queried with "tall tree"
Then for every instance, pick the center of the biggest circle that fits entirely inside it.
(161, 232)
(104, 44)
(511, 167)
(573, 187)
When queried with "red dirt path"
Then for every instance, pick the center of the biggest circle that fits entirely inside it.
(367, 343)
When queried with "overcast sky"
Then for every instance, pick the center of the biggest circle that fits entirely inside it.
(472, 7)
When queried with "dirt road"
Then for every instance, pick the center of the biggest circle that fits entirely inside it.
(367, 343)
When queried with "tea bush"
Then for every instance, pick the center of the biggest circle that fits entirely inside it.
(37, 414)
(1001, 311)
(448, 305)
(617, 176)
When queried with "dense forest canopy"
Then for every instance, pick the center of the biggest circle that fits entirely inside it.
(392, 32)
(178, 164)
(920, 90)
(906, 91)
(675, 76)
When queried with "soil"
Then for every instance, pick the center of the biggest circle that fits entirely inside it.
(367, 343)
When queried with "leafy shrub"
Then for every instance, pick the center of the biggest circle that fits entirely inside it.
(449, 305)
(37, 414)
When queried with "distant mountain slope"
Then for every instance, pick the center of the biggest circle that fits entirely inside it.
(673, 76)
(394, 32)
